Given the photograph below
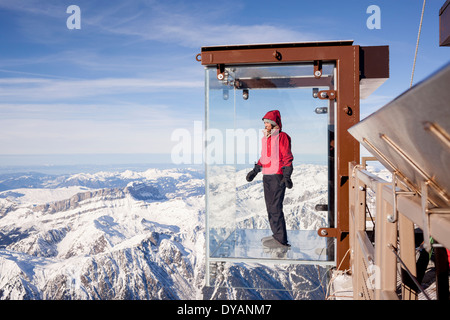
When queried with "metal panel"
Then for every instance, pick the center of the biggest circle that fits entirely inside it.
(439, 222)
(373, 64)
(444, 24)
(374, 68)
(411, 136)
(278, 45)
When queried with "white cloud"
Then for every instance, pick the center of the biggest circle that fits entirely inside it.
(38, 89)
(90, 128)
(99, 111)
(190, 25)
(39, 136)
(195, 32)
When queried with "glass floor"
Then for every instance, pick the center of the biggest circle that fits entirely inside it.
(307, 247)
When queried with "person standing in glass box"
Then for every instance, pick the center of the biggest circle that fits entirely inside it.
(276, 166)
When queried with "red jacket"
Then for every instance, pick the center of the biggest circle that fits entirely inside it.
(276, 149)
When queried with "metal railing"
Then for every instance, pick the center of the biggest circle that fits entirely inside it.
(382, 238)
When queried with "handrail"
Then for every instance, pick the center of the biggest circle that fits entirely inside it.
(374, 263)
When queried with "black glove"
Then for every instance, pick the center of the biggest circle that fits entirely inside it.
(286, 180)
(252, 174)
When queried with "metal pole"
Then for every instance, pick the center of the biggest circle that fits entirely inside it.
(407, 271)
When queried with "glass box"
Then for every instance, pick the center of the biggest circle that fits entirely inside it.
(236, 216)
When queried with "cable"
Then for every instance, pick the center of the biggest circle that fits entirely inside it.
(413, 278)
(417, 43)
(333, 277)
(343, 259)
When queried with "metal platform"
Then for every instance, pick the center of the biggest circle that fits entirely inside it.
(410, 136)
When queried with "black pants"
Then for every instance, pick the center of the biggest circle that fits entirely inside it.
(274, 196)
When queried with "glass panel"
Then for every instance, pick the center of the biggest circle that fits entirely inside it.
(220, 171)
(236, 213)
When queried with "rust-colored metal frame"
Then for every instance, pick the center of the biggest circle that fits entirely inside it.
(346, 57)
(444, 24)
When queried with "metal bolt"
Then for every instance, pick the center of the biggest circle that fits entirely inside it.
(220, 76)
(320, 110)
(315, 92)
(348, 110)
(323, 94)
(245, 94)
(277, 55)
(318, 73)
(323, 232)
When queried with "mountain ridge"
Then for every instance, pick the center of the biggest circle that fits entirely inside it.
(140, 235)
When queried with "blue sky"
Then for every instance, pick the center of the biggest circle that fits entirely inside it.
(128, 78)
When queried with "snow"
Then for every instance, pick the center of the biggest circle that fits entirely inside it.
(41, 195)
(108, 235)
(102, 241)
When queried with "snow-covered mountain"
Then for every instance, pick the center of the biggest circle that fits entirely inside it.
(138, 235)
